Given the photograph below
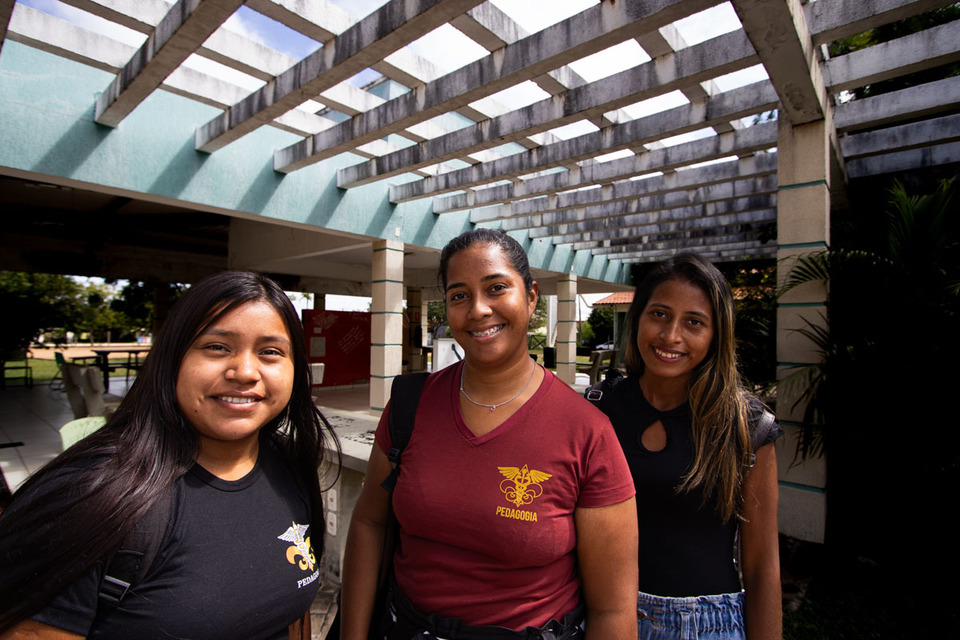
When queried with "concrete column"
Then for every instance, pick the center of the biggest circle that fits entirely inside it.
(567, 328)
(413, 331)
(803, 226)
(319, 301)
(386, 331)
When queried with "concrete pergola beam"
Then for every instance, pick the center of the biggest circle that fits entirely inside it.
(829, 21)
(756, 138)
(727, 253)
(753, 139)
(716, 243)
(914, 102)
(916, 52)
(492, 29)
(780, 35)
(754, 166)
(737, 191)
(557, 224)
(682, 225)
(909, 160)
(45, 32)
(319, 20)
(590, 31)
(137, 15)
(731, 105)
(717, 235)
(54, 35)
(181, 32)
(718, 56)
(245, 55)
(385, 30)
(925, 133)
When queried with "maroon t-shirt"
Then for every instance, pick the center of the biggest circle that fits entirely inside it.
(487, 531)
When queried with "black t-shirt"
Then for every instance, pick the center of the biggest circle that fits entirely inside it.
(235, 562)
(685, 549)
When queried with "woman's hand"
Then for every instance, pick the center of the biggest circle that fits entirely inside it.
(32, 630)
(361, 563)
(760, 549)
(607, 544)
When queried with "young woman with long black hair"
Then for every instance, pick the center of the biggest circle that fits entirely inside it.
(700, 450)
(220, 426)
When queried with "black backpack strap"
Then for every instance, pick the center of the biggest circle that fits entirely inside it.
(761, 422)
(611, 378)
(404, 398)
(129, 565)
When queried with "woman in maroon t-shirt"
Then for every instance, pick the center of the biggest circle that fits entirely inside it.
(515, 503)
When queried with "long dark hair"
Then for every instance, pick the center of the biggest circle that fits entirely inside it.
(718, 401)
(55, 529)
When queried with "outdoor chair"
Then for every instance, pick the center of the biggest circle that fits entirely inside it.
(85, 392)
(596, 365)
(78, 429)
(57, 383)
(13, 363)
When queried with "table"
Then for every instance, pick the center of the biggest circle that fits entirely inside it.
(103, 360)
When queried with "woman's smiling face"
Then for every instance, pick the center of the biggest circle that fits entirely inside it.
(488, 305)
(675, 330)
(237, 375)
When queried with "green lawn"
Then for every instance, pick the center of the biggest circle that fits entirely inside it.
(43, 371)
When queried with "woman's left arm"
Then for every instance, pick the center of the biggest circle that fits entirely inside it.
(760, 549)
(607, 553)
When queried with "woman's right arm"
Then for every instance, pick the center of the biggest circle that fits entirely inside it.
(361, 563)
(32, 630)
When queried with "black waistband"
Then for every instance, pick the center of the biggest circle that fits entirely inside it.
(408, 618)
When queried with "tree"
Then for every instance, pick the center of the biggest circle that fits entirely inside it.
(34, 302)
(601, 321)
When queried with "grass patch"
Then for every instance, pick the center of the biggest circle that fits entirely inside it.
(43, 371)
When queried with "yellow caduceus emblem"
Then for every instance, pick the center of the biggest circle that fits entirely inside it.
(522, 486)
(301, 546)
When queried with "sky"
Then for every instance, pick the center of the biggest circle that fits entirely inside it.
(449, 49)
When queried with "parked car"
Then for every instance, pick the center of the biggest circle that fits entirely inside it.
(605, 346)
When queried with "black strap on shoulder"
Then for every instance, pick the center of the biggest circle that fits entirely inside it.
(594, 393)
(404, 398)
(129, 565)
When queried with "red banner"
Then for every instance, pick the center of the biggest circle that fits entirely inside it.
(341, 341)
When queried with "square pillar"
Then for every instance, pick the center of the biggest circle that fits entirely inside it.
(803, 226)
(386, 330)
(567, 328)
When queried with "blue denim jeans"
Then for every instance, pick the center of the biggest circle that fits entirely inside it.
(717, 617)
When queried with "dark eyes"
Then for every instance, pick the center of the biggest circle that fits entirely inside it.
(662, 315)
(221, 349)
(493, 289)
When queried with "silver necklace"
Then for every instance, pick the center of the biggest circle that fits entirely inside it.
(493, 407)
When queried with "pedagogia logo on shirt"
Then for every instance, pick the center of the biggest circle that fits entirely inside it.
(521, 487)
(300, 548)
